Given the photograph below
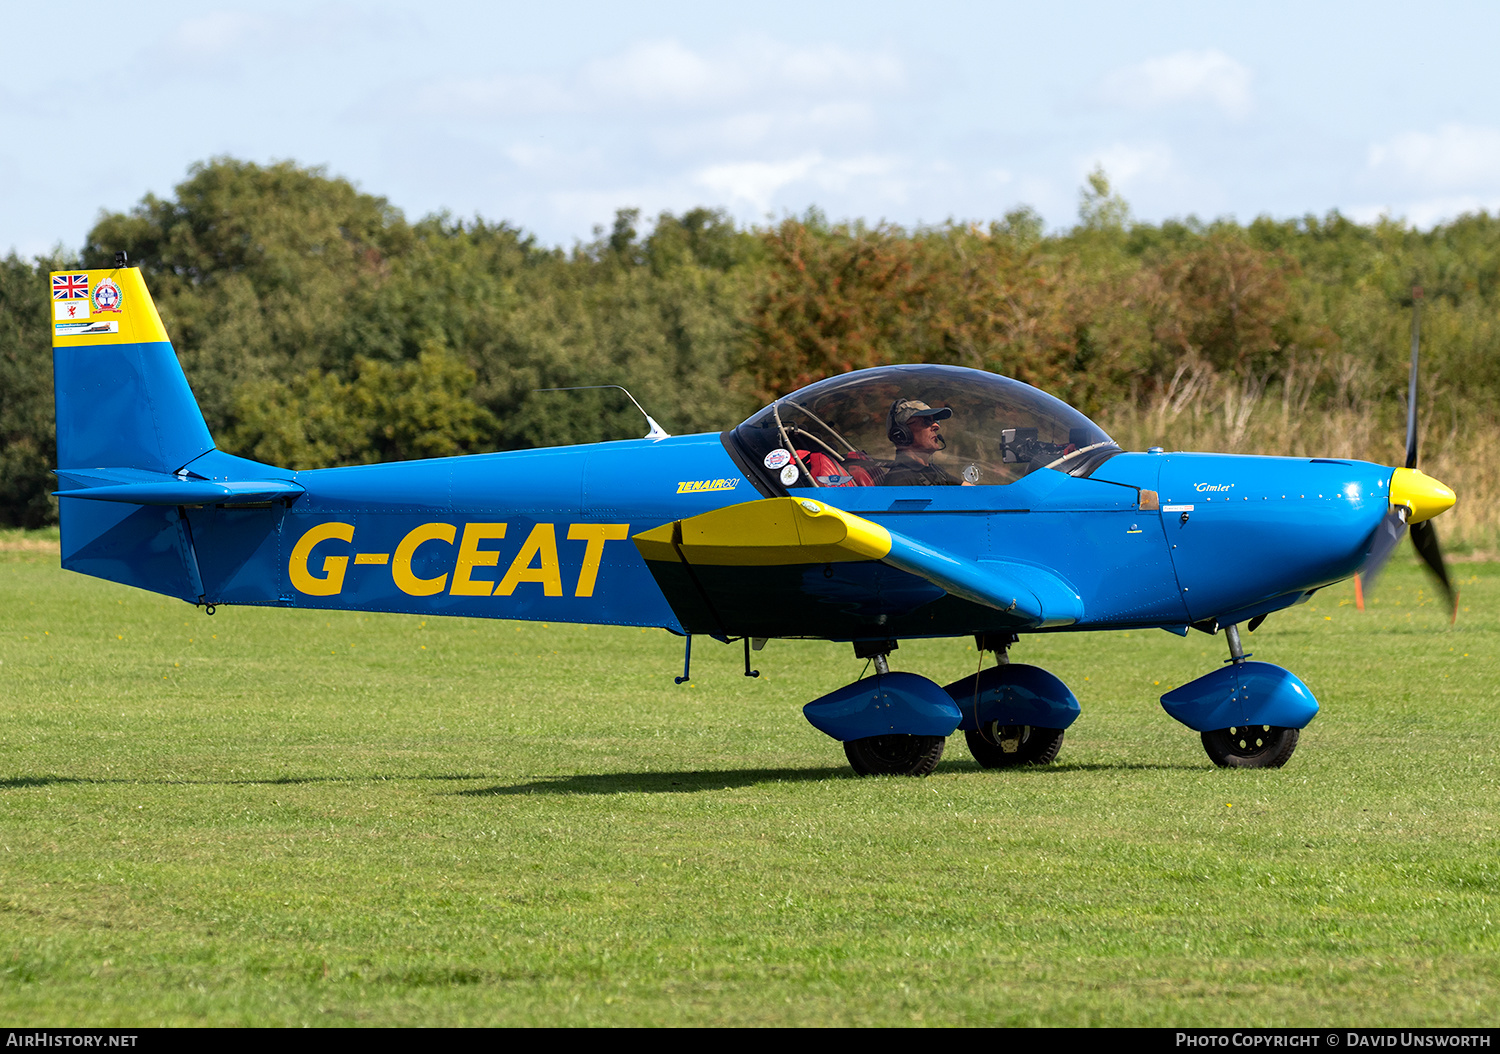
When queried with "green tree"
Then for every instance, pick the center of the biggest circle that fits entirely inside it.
(259, 272)
(28, 442)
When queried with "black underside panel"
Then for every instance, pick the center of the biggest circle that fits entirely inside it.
(842, 601)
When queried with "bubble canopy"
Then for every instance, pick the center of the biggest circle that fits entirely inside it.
(837, 432)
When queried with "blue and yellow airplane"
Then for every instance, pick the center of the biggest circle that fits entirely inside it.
(890, 503)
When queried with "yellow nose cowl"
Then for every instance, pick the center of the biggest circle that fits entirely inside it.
(1420, 493)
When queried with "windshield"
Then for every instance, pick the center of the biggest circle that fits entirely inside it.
(919, 426)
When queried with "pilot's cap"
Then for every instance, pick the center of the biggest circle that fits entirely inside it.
(906, 409)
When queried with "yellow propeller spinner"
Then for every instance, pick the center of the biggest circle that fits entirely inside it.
(1424, 496)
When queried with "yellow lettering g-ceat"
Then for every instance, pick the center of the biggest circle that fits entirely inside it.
(401, 571)
(595, 534)
(334, 567)
(540, 546)
(471, 556)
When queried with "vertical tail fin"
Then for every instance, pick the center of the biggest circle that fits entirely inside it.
(122, 398)
(128, 428)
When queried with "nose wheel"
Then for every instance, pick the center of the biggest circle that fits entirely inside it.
(1250, 746)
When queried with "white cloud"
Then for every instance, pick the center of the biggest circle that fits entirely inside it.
(1426, 213)
(665, 75)
(840, 175)
(1183, 77)
(481, 96)
(212, 35)
(1454, 157)
(735, 131)
(1125, 164)
(233, 42)
(659, 72)
(664, 72)
(530, 156)
(757, 183)
(833, 68)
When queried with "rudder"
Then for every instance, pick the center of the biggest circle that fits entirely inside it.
(133, 450)
(122, 398)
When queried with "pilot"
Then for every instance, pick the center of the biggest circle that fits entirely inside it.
(913, 427)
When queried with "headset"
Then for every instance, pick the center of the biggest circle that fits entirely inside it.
(901, 435)
(897, 432)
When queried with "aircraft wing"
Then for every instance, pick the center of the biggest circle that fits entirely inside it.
(801, 561)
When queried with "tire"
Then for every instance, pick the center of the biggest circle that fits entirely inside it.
(1250, 746)
(895, 755)
(1030, 745)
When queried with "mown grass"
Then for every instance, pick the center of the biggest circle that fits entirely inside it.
(279, 818)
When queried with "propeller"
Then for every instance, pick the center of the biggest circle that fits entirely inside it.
(1415, 497)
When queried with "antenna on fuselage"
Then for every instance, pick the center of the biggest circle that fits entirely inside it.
(656, 432)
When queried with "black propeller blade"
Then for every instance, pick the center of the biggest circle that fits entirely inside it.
(1387, 535)
(1423, 535)
(1424, 538)
(1411, 384)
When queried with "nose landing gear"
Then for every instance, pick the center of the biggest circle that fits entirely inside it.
(1251, 746)
(1248, 714)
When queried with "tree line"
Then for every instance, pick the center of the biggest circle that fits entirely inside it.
(319, 326)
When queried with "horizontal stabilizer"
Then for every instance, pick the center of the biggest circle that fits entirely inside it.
(140, 487)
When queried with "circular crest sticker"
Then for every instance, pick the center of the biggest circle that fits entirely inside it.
(789, 475)
(778, 459)
(106, 296)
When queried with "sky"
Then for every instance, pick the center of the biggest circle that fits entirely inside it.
(553, 116)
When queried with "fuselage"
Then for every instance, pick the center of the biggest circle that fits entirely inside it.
(545, 535)
(1032, 519)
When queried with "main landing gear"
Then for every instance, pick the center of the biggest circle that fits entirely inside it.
(896, 724)
(1249, 714)
(1004, 746)
(895, 755)
(892, 753)
(996, 744)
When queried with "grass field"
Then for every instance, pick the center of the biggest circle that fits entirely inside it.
(279, 818)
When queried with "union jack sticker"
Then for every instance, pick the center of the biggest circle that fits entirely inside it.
(70, 287)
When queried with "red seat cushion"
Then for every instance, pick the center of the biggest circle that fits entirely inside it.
(829, 473)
